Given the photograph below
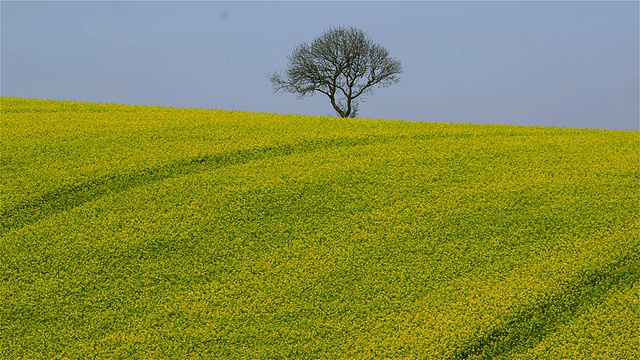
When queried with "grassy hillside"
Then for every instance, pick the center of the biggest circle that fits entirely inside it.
(150, 232)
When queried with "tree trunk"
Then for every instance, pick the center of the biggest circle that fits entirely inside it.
(337, 108)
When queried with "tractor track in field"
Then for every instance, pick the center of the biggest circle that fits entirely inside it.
(529, 326)
(71, 196)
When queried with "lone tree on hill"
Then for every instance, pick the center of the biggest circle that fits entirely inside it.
(343, 64)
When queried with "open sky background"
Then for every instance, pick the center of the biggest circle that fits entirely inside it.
(558, 63)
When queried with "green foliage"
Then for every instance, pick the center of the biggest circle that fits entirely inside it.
(149, 232)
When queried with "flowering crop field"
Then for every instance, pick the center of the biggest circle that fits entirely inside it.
(152, 232)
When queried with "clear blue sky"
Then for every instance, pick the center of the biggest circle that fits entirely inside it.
(553, 63)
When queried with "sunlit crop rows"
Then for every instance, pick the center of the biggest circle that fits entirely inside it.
(149, 232)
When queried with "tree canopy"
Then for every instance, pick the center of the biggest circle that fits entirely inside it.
(343, 63)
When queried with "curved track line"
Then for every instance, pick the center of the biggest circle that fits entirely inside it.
(530, 326)
(69, 197)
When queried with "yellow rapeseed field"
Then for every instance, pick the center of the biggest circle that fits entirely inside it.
(153, 232)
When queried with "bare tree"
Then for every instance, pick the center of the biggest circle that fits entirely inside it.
(343, 64)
